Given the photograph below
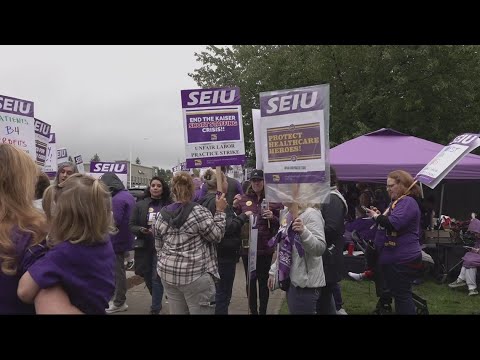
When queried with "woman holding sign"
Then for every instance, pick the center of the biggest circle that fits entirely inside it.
(398, 239)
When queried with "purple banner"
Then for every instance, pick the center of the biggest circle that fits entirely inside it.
(292, 101)
(216, 161)
(294, 142)
(210, 97)
(16, 106)
(295, 177)
(214, 127)
(104, 167)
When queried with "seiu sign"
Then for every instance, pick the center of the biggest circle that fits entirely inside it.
(210, 97)
(464, 139)
(290, 102)
(104, 167)
(16, 106)
(62, 153)
(42, 128)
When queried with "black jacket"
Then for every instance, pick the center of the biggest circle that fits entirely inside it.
(334, 213)
(229, 248)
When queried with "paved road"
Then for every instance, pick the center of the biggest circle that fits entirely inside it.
(139, 299)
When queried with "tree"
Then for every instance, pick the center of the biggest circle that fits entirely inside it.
(165, 174)
(70, 158)
(137, 161)
(95, 157)
(430, 91)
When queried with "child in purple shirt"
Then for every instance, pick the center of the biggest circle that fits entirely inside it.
(81, 257)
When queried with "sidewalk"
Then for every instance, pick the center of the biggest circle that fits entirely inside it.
(139, 299)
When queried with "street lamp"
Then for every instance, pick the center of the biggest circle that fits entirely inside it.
(130, 164)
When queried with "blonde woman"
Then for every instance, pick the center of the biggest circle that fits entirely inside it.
(80, 255)
(22, 227)
(185, 237)
(302, 243)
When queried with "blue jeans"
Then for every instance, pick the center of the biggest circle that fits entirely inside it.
(224, 286)
(157, 288)
(302, 301)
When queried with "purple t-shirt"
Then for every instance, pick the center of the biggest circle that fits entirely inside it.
(402, 245)
(85, 272)
(9, 301)
(365, 228)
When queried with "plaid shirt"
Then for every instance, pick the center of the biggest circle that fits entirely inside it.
(187, 253)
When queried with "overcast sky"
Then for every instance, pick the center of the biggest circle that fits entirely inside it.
(104, 99)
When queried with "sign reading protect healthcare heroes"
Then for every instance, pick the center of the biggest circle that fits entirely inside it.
(212, 120)
(98, 168)
(42, 138)
(447, 158)
(17, 125)
(294, 142)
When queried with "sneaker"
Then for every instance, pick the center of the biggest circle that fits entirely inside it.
(154, 312)
(113, 308)
(355, 276)
(341, 312)
(457, 283)
(130, 265)
(472, 292)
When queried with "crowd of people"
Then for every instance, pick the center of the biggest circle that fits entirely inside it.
(63, 247)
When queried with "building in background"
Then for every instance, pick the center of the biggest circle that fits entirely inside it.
(141, 174)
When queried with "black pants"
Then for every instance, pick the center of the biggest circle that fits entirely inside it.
(263, 266)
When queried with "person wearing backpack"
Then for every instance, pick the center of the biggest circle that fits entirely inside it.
(228, 250)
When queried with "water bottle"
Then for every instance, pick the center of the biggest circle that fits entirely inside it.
(264, 207)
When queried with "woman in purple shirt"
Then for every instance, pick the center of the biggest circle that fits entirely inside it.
(22, 230)
(81, 256)
(400, 254)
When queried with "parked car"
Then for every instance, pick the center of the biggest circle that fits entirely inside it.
(138, 192)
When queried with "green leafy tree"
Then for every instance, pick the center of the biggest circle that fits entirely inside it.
(429, 91)
(95, 158)
(165, 174)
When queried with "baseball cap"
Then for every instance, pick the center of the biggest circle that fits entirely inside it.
(256, 174)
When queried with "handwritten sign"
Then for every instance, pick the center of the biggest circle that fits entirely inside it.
(17, 125)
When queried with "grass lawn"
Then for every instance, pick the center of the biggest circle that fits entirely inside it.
(360, 299)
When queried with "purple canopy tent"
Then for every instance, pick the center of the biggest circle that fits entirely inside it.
(370, 157)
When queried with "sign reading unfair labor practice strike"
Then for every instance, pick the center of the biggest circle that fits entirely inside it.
(295, 144)
(17, 125)
(447, 158)
(97, 169)
(212, 120)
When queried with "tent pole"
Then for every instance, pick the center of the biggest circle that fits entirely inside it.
(441, 200)
(421, 191)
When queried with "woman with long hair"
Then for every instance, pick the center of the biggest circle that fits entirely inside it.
(23, 230)
(143, 217)
(398, 239)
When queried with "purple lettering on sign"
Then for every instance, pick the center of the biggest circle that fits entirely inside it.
(210, 97)
(295, 177)
(465, 139)
(16, 106)
(294, 142)
(293, 101)
(52, 138)
(213, 127)
(104, 167)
